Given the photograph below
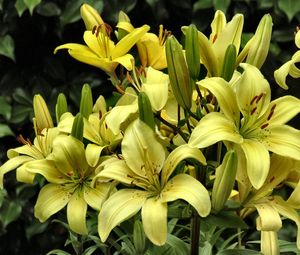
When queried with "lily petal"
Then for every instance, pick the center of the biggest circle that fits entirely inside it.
(176, 156)
(257, 170)
(185, 187)
(95, 197)
(283, 140)
(76, 213)
(212, 128)
(93, 152)
(154, 217)
(120, 206)
(269, 243)
(52, 198)
(269, 219)
(141, 150)
(126, 61)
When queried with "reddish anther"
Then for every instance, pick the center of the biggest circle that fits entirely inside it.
(264, 125)
(253, 110)
(253, 100)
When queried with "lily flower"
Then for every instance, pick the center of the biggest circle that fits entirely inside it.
(261, 129)
(289, 68)
(100, 51)
(69, 176)
(147, 171)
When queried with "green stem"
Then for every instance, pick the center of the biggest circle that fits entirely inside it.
(195, 234)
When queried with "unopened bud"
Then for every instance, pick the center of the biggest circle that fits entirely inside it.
(260, 43)
(77, 127)
(61, 106)
(42, 115)
(192, 51)
(224, 182)
(86, 101)
(229, 62)
(145, 110)
(90, 17)
(178, 73)
(139, 238)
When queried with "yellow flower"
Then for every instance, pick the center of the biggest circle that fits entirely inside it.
(146, 167)
(69, 176)
(261, 129)
(289, 68)
(100, 51)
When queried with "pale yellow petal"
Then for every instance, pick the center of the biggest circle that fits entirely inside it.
(121, 206)
(294, 199)
(95, 197)
(269, 243)
(154, 217)
(23, 175)
(269, 219)
(93, 152)
(257, 170)
(76, 213)
(176, 156)
(212, 128)
(52, 198)
(185, 187)
(217, 25)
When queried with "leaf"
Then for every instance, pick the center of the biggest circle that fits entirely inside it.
(90, 250)
(71, 13)
(5, 108)
(221, 5)
(9, 212)
(286, 246)
(226, 219)
(7, 47)
(35, 228)
(289, 7)
(22, 97)
(20, 113)
(239, 252)
(48, 9)
(58, 252)
(31, 4)
(5, 130)
(202, 4)
(20, 7)
(1, 3)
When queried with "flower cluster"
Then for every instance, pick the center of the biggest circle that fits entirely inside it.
(179, 109)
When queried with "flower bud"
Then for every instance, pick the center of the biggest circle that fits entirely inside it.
(229, 62)
(61, 106)
(42, 115)
(178, 73)
(192, 51)
(145, 110)
(259, 44)
(77, 127)
(86, 101)
(225, 177)
(90, 17)
(139, 238)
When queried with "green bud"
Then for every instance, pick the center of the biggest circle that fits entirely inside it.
(77, 127)
(192, 51)
(61, 106)
(178, 73)
(229, 62)
(260, 43)
(145, 110)
(42, 115)
(86, 101)
(224, 182)
(139, 238)
(90, 16)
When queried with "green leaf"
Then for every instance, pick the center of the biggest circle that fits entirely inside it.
(286, 246)
(226, 219)
(221, 5)
(48, 9)
(20, 113)
(5, 130)
(20, 7)
(36, 228)
(202, 4)
(289, 7)
(239, 252)
(1, 3)
(58, 252)
(5, 108)
(90, 250)
(22, 97)
(3, 194)
(7, 47)
(9, 212)
(71, 13)
(31, 4)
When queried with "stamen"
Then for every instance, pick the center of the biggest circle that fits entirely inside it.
(253, 110)
(214, 38)
(94, 29)
(264, 125)
(271, 112)
(21, 139)
(253, 99)
(259, 97)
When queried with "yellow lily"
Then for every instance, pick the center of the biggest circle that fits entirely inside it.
(146, 167)
(261, 129)
(151, 47)
(100, 51)
(90, 17)
(289, 68)
(69, 176)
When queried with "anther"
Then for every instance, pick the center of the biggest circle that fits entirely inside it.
(253, 110)
(259, 97)
(214, 38)
(264, 125)
(271, 112)
(253, 99)
(94, 29)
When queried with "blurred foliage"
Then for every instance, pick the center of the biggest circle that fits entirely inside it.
(31, 29)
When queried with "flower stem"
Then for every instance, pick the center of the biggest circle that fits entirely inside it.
(195, 234)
